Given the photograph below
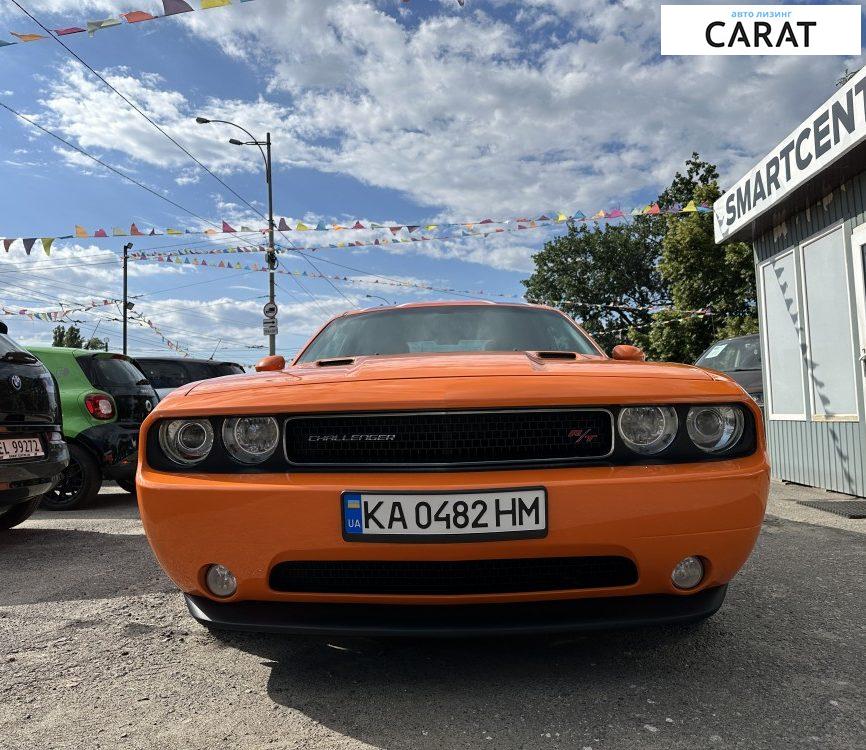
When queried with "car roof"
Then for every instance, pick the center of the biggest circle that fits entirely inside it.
(73, 351)
(194, 360)
(737, 338)
(446, 303)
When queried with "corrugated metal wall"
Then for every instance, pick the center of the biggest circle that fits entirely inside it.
(831, 455)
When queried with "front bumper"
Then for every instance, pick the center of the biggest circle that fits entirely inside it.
(654, 515)
(23, 480)
(432, 621)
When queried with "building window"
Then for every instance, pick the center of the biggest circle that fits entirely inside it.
(830, 360)
(782, 338)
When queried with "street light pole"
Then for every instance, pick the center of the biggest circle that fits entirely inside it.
(271, 253)
(126, 248)
(376, 296)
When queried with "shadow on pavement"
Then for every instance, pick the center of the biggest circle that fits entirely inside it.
(107, 505)
(582, 690)
(56, 564)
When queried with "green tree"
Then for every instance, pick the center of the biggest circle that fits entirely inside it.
(67, 337)
(615, 265)
(96, 343)
(700, 274)
(667, 260)
(683, 187)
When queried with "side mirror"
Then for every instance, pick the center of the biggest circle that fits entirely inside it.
(628, 352)
(272, 363)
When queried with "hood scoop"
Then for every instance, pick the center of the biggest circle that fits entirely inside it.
(555, 355)
(335, 362)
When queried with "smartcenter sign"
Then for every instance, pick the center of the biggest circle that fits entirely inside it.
(828, 134)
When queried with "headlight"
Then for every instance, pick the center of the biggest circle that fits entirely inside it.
(186, 441)
(647, 429)
(714, 428)
(251, 440)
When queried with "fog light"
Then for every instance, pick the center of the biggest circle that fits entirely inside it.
(221, 581)
(688, 573)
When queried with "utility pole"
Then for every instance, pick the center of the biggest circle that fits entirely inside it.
(272, 253)
(126, 248)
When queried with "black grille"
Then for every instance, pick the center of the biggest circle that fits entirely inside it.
(452, 576)
(430, 439)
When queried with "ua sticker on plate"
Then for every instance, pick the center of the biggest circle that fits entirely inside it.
(458, 516)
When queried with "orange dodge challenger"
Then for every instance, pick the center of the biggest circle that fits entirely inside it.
(453, 469)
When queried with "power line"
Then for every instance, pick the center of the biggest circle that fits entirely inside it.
(163, 132)
(104, 164)
(134, 106)
(388, 278)
(12, 268)
(52, 262)
(187, 310)
(170, 138)
(185, 286)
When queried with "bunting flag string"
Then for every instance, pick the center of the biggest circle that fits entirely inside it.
(54, 315)
(59, 315)
(293, 247)
(688, 315)
(441, 230)
(172, 345)
(238, 266)
(170, 8)
(630, 308)
(288, 225)
(29, 242)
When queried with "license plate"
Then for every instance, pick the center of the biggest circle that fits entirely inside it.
(20, 448)
(458, 516)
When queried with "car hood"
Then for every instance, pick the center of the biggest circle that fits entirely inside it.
(431, 366)
(450, 381)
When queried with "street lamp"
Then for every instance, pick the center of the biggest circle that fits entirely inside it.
(266, 155)
(376, 296)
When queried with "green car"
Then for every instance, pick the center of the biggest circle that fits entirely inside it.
(104, 398)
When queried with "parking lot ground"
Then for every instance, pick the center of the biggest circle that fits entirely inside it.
(97, 651)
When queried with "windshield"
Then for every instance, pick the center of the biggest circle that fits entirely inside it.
(729, 356)
(115, 371)
(421, 330)
(8, 345)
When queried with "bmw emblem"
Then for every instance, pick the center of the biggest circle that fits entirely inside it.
(147, 405)
(16, 382)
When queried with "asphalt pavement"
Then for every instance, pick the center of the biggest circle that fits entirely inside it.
(97, 651)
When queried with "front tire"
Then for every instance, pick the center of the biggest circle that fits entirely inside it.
(79, 484)
(18, 513)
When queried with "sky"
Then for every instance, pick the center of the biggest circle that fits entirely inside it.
(381, 111)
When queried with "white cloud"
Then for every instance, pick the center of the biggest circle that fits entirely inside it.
(528, 107)
(463, 110)
(71, 273)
